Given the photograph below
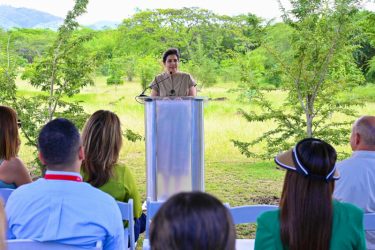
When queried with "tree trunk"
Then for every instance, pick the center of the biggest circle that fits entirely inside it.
(309, 114)
(309, 120)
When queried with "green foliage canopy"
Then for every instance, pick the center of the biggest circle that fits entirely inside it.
(320, 67)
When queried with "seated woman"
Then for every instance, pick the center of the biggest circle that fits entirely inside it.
(13, 172)
(102, 141)
(308, 218)
(192, 220)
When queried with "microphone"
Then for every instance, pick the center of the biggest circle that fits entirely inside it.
(155, 83)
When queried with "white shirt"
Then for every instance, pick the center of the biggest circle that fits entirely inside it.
(357, 185)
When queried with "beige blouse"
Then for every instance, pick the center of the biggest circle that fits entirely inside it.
(177, 84)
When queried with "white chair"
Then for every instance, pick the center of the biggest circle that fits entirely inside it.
(248, 214)
(369, 221)
(127, 214)
(5, 193)
(21, 244)
(152, 208)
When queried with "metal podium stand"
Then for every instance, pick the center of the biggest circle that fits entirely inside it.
(174, 145)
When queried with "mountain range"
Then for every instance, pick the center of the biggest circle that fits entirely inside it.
(12, 17)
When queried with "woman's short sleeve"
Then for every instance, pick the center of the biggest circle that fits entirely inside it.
(192, 82)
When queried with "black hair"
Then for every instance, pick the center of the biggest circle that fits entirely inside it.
(192, 220)
(58, 142)
(171, 51)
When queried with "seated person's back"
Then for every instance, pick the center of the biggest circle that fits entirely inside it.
(60, 207)
(357, 181)
(102, 141)
(308, 218)
(13, 172)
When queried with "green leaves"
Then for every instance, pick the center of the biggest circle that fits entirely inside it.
(316, 71)
(59, 73)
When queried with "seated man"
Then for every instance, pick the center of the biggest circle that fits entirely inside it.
(357, 182)
(60, 207)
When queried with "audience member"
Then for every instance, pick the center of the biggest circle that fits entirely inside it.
(194, 220)
(308, 218)
(60, 207)
(102, 141)
(13, 172)
(357, 182)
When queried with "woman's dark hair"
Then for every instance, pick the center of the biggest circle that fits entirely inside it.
(306, 203)
(102, 141)
(192, 220)
(9, 138)
(171, 51)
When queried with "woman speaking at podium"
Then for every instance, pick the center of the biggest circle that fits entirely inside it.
(172, 82)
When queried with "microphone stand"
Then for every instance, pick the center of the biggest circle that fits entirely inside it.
(152, 85)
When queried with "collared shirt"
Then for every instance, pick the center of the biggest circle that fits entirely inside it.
(67, 212)
(357, 185)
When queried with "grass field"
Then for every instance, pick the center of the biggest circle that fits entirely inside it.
(229, 175)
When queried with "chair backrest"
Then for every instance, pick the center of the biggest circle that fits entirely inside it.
(249, 214)
(126, 209)
(152, 209)
(5, 193)
(369, 221)
(21, 244)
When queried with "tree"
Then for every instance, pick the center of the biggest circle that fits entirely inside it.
(316, 72)
(31, 43)
(203, 68)
(8, 68)
(116, 72)
(60, 73)
(147, 68)
(365, 54)
(203, 38)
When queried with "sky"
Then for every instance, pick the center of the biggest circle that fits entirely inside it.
(117, 10)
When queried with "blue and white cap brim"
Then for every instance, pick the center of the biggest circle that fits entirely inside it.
(285, 160)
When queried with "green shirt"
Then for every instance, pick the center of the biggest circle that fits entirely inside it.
(347, 230)
(122, 187)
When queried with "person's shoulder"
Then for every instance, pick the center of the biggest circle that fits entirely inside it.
(102, 199)
(14, 163)
(162, 75)
(347, 208)
(95, 192)
(269, 216)
(347, 165)
(184, 74)
(26, 190)
(120, 170)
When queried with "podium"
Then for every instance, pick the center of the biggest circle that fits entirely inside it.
(174, 145)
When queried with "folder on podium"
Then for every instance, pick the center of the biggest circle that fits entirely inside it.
(174, 145)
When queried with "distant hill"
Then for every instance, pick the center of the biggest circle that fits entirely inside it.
(102, 25)
(12, 17)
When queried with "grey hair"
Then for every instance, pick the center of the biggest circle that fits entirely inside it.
(365, 126)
